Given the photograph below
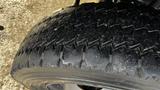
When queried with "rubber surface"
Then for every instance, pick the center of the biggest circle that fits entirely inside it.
(115, 39)
(153, 3)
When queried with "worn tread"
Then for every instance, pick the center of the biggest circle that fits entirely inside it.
(93, 36)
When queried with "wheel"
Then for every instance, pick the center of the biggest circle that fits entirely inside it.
(93, 45)
(49, 87)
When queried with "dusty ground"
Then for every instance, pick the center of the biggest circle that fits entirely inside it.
(17, 17)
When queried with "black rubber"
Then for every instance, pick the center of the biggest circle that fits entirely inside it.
(153, 3)
(114, 39)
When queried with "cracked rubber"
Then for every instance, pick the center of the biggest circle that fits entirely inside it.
(116, 39)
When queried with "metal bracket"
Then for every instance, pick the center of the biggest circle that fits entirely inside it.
(77, 2)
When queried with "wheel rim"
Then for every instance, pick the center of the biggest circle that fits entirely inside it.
(38, 76)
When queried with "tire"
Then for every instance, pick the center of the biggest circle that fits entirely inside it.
(153, 3)
(116, 46)
(50, 87)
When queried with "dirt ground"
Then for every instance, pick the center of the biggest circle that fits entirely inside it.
(17, 17)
